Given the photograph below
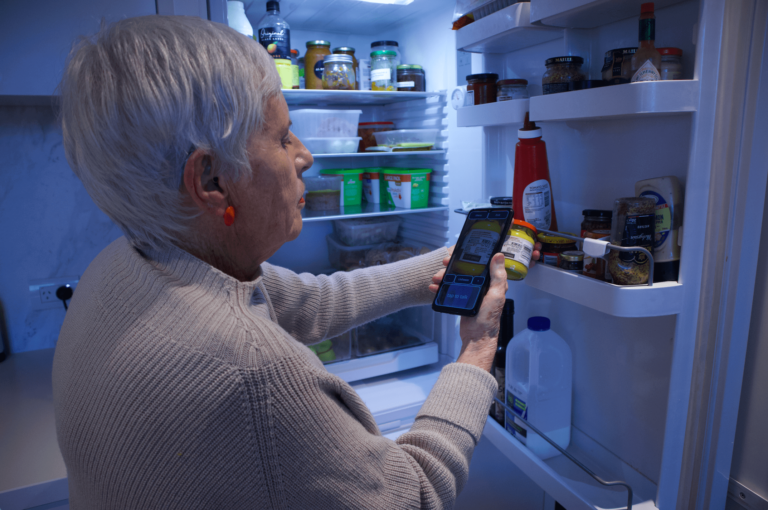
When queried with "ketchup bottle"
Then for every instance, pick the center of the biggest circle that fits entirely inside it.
(532, 198)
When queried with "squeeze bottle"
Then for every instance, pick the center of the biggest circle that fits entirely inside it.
(538, 387)
(533, 200)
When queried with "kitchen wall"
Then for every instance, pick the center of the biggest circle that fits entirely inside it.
(49, 227)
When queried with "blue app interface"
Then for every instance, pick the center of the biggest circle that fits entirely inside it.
(468, 270)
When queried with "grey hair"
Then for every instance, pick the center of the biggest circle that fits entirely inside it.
(139, 94)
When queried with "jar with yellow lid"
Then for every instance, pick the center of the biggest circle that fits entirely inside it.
(552, 246)
(474, 255)
(518, 249)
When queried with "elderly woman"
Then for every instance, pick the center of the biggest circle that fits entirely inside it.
(182, 377)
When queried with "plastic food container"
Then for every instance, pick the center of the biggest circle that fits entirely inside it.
(348, 258)
(365, 231)
(335, 349)
(331, 145)
(407, 138)
(366, 130)
(373, 191)
(397, 331)
(310, 123)
(351, 185)
(407, 188)
(323, 193)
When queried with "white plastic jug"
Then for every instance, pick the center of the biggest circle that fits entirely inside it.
(538, 387)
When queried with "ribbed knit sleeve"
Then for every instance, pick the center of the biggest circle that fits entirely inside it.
(312, 308)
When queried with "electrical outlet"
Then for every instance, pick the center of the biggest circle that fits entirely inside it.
(42, 293)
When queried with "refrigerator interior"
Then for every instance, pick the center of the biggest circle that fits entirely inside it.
(623, 343)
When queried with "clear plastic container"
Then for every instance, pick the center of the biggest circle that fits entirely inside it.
(406, 328)
(335, 349)
(331, 145)
(311, 123)
(366, 231)
(323, 193)
(346, 258)
(407, 138)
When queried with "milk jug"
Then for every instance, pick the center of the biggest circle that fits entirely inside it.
(538, 387)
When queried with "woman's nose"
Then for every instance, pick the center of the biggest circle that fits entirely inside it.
(304, 159)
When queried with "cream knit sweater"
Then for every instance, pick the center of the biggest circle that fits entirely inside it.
(177, 386)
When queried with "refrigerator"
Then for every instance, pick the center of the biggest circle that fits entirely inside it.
(657, 369)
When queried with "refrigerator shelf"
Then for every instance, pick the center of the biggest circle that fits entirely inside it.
(587, 13)
(506, 30)
(385, 362)
(379, 154)
(493, 114)
(566, 482)
(351, 97)
(365, 210)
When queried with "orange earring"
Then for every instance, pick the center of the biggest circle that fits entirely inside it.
(229, 216)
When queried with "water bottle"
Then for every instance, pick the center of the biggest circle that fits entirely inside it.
(538, 387)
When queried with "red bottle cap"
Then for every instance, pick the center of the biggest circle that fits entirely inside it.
(646, 8)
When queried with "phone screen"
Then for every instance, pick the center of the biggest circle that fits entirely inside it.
(466, 278)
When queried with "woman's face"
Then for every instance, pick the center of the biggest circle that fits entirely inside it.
(268, 206)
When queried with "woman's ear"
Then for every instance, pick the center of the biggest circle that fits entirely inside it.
(202, 186)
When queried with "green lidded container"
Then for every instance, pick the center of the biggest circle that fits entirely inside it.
(407, 187)
(351, 184)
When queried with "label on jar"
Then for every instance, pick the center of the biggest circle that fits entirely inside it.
(607, 61)
(663, 218)
(469, 98)
(478, 246)
(646, 72)
(516, 248)
(554, 88)
(639, 230)
(405, 84)
(537, 204)
(276, 41)
(381, 74)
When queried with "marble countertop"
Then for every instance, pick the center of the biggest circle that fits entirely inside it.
(29, 451)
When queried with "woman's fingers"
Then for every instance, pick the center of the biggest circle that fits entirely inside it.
(448, 258)
(536, 255)
(436, 279)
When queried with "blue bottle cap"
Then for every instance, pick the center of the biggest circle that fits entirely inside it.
(538, 324)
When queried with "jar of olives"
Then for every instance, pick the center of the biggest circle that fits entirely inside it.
(338, 73)
(561, 71)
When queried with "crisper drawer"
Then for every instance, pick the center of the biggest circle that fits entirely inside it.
(393, 343)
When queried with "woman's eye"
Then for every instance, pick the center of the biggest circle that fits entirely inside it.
(286, 141)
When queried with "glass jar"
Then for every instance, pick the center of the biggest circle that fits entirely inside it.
(561, 71)
(552, 246)
(302, 81)
(313, 63)
(410, 78)
(518, 249)
(596, 225)
(617, 66)
(338, 73)
(633, 224)
(483, 87)
(295, 68)
(388, 46)
(383, 70)
(348, 50)
(671, 63)
(572, 261)
(507, 90)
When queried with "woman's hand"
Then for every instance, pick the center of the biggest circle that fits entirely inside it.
(439, 275)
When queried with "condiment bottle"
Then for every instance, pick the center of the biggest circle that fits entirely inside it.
(518, 249)
(275, 35)
(646, 62)
(295, 68)
(668, 195)
(313, 63)
(532, 189)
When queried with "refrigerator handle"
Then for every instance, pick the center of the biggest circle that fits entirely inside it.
(571, 457)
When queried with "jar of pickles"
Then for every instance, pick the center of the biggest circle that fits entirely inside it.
(338, 73)
(518, 249)
(384, 70)
(348, 50)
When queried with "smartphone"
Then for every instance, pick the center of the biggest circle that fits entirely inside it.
(466, 278)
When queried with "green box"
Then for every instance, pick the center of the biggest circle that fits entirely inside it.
(407, 187)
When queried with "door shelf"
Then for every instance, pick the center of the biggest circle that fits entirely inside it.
(587, 13)
(365, 155)
(385, 363)
(662, 298)
(566, 482)
(493, 114)
(351, 97)
(506, 30)
(619, 101)
(365, 210)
